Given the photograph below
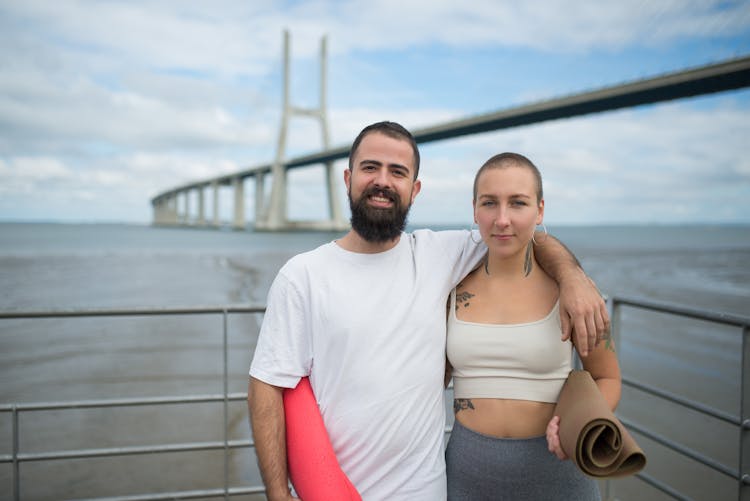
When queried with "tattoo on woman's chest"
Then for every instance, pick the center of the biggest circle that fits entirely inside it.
(462, 299)
(462, 404)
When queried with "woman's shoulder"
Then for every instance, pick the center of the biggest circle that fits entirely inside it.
(470, 279)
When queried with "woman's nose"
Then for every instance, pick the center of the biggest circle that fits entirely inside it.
(501, 218)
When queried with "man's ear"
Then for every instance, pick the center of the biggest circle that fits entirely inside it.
(415, 189)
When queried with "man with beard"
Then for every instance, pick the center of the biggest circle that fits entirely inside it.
(364, 318)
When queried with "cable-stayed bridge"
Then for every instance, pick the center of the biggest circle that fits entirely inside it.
(271, 209)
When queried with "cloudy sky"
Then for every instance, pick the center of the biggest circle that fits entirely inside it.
(104, 104)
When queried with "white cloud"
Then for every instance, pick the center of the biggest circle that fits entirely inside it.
(85, 112)
(548, 25)
(650, 165)
(235, 38)
(196, 35)
(38, 168)
(111, 102)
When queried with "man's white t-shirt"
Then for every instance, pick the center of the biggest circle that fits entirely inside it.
(369, 330)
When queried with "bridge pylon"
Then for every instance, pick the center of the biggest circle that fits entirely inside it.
(274, 214)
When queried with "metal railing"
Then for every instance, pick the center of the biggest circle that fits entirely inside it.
(741, 421)
(17, 457)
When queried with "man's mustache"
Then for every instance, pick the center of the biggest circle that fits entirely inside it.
(381, 192)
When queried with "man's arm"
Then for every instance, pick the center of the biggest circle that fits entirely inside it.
(266, 406)
(582, 308)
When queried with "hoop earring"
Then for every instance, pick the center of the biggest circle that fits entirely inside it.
(471, 234)
(528, 260)
(544, 228)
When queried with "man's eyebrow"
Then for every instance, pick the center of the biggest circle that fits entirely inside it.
(369, 161)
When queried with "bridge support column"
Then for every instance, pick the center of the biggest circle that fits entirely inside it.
(274, 216)
(169, 212)
(260, 184)
(164, 212)
(337, 220)
(174, 217)
(186, 208)
(161, 209)
(239, 204)
(334, 207)
(179, 208)
(201, 208)
(158, 212)
(215, 187)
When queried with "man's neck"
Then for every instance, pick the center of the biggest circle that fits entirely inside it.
(353, 242)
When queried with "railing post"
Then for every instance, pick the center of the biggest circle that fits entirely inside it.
(614, 308)
(226, 407)
(744, 481)
(16, 469)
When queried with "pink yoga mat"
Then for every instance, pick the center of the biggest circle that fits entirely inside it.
(313, 468)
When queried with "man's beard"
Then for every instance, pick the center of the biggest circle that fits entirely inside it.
(378, 225)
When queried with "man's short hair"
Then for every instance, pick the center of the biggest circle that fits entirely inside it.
(390, 129)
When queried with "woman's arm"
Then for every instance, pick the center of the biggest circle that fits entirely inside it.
(583, 311)
(604, 368)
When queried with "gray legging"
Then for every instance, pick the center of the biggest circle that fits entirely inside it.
(485, 468)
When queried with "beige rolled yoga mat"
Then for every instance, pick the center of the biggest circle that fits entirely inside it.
(591, 435)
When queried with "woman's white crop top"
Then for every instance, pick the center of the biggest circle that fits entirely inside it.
(514, 361)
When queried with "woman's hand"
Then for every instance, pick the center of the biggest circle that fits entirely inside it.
(553, 438)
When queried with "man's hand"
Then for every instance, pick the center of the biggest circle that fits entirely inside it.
(285, 497)
(583, 312)
(582, 308)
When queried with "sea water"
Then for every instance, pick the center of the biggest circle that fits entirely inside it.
(95, 266)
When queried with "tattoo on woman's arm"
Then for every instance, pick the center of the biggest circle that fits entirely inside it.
(463, 298)
(462, 404)
(608, 341)
(609, 345)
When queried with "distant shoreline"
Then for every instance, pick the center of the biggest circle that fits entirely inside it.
(410, 226)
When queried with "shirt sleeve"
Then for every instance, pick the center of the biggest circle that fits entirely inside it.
(283, 352)
(463, 251)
